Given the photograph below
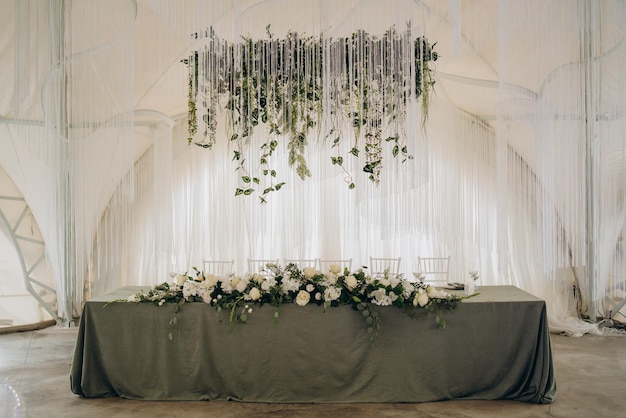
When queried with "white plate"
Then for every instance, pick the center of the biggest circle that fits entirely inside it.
(455, 286)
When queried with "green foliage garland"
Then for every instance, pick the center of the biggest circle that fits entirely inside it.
(295, 84)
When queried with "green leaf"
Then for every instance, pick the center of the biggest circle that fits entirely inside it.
(245, 179)
(337, 160)
(234, 136)
(269, 189)
(351, 186)
(248, 192)
(238, 191)
(273, 173)
(395, 151)
(256, 180)
(279, 185)
(354, 151)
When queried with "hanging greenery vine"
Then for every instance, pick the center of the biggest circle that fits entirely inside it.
(298, 83)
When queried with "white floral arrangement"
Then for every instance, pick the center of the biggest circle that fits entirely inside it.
(275, 285)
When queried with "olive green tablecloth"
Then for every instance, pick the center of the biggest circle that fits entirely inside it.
(496, 346)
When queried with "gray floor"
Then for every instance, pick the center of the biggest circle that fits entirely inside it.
(590, 372)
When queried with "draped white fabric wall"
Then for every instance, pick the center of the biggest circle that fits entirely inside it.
(503, 193)
(69, 145)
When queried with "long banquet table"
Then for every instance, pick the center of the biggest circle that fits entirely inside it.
(496, 346)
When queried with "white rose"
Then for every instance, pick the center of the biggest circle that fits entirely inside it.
(335, 268)
(132, 298)
(211, 280)
(351, 282)
(384, 281)
(241, 286)
(259, 278)
(303, 297)
(310, 287)
(234, 281)
(181, 279)
(309, 272)
(255, 293)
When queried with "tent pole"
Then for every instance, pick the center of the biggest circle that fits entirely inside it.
(591, 145)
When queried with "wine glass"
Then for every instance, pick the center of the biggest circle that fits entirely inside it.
(417, 272)
(474, 275)
(173, 272)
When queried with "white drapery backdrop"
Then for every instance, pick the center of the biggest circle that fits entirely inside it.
(503, 190)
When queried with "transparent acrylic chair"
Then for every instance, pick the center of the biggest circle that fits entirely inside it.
(379, 265)
(434, 270)
(218, 267)
(324, 264)
(256, 265)
(302, 263)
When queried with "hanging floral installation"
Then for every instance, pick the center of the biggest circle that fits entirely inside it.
(305, 88)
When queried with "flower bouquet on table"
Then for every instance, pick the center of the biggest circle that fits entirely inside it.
(277, 285)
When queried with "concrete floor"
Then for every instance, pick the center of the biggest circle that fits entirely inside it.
(590, 372)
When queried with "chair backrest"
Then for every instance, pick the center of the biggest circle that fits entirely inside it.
(256, 265)
(380, 265)
(218, 267)
(302, 263)
(324, 264)
(434, 269)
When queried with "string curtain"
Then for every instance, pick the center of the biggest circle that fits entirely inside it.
(504, 191)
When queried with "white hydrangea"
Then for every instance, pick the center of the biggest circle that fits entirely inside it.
(190, 289)
(331, 293)
(330, 279)
(290, 285)
(268, 283)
